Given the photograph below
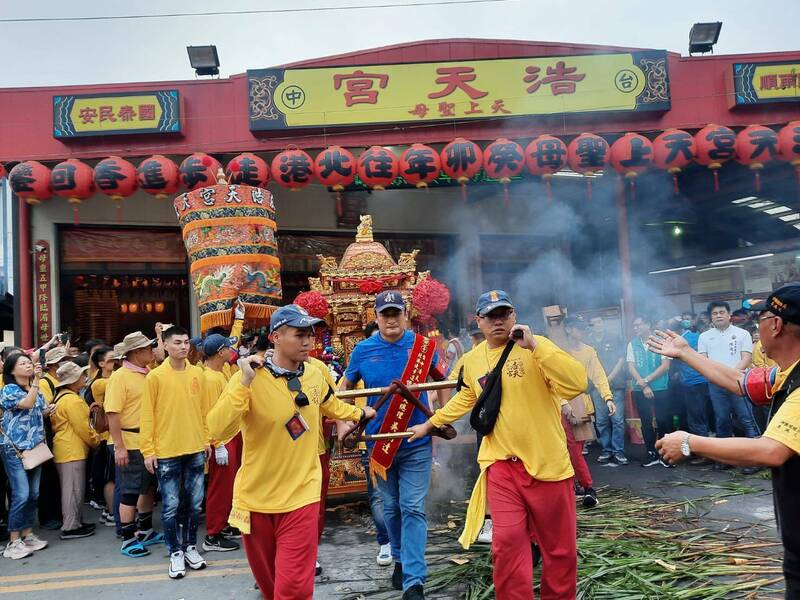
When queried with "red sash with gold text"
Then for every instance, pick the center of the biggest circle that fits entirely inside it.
(400, 410)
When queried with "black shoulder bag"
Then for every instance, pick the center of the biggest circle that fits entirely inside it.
(487, 408)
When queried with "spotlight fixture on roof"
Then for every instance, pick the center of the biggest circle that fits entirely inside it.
(203, 59)
(703, 36)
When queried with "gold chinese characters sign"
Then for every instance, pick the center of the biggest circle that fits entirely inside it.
(760, 83)
(114, 114)
(44, 296)
(478, 89)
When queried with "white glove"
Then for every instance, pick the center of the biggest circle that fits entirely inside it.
(221, 455)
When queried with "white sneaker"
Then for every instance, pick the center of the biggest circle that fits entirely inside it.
(385, 555)
(193, 559)
(485, 536)
(177, 566)
(16, 550)
(34, 542)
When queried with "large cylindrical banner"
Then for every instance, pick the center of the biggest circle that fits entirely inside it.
(229, 232)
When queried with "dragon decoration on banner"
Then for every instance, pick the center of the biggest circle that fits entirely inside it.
(229, 233)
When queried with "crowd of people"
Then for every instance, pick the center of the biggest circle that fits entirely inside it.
(180, 419)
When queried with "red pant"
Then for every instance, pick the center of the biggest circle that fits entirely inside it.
(220, 487)
(325, 462)
(575, 448)
(525, 509)
(282, 549)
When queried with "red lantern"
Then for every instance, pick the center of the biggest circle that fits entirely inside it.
(587, 154)
(461, 160)
(248, 169)
(31, 180)
(502, 160)
(115, 177)
(545, 156)
(158, 176)
(716, 144)
(335, 167)
(199, 170)
(631, 155)
(314, 303)
(756, 145)
(292, 169)
(673, 149)
(3, 171)
(378, 167)
(73, 180)
(420, 165)
(429, 299)
(789, 146)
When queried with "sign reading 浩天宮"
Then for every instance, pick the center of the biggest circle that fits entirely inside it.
(117, 114)
(759, 83)
(477, 89)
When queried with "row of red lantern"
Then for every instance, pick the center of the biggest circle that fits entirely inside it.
(378, 167)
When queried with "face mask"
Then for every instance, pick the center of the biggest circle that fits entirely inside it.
(686, 323)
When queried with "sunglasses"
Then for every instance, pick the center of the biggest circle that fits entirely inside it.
(300, 399)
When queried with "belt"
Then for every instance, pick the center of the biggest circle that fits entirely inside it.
(131, 430)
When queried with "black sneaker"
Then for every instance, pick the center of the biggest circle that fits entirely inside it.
(219, 543)
(397, 577)
(231, 532)
(536, 554)
(80, 532)
(414, 593)
(666, 464)
(590, 498)
(651, 460)
(604, 457)
(317, 569)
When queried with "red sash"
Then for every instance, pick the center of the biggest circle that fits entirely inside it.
(400, 410)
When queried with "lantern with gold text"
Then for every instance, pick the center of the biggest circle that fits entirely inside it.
(544, 157)
(461, 161)
(335, 167)
(158, 176)
(716, 144)
(248, 169)
(115, 177)
(199, 170)
(789, 146)
(420, 165)
(587, 154)
(756, 145)
(502, 160)
(673, 149)
(292, 169)
(30, 180)
(73, 180)
(378, 167)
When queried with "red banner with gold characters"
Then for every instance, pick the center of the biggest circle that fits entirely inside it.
(399, 412)
(44, 299)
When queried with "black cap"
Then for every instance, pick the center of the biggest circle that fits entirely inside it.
(472, 328)
(784, 303)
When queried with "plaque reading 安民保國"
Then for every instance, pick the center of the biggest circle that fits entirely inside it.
(476, 89)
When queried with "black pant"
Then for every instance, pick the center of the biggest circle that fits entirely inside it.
(791, 573)
(661, 404)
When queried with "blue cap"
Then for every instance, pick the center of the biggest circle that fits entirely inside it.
(389, 299)
(491, 300)
(197, 342)
(216, 342)
(293, 316)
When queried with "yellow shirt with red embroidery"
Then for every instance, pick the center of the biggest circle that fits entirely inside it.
(784, 427)
(173, 421)
(278, 474)
(214, 383)
(322, 446)
(124, 392)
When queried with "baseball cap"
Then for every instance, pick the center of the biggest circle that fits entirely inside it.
(783, 302)
(293, 316)
(472, 328)
(389, 299)
(491, 300)
(216, 342)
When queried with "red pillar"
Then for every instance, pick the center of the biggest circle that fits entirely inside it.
(624, 258)
(25, 277)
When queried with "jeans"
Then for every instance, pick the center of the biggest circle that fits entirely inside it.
(172, 472)
(375, 503)
(695, 399)
(725, 403)
(403, 495)
(610, 429)
(24, 490)
(661, 405)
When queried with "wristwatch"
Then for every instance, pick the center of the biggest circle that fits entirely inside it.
(685, 450)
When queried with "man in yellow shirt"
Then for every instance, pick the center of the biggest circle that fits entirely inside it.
(524, 460)
(277, 491)
(174, 441)
(123, 405)
(779, 447)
